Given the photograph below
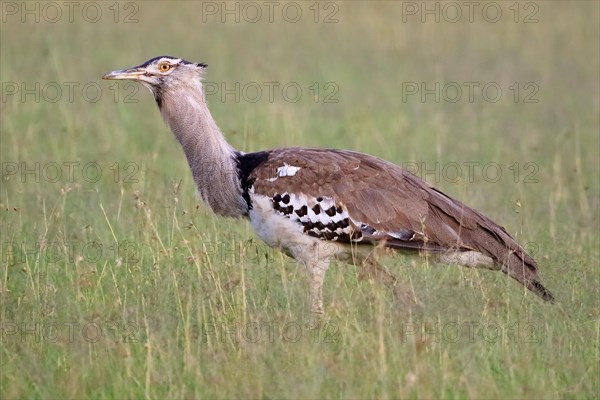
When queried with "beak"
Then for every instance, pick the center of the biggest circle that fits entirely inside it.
(127, 73)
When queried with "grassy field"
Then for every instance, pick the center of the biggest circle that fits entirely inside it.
(117, 283)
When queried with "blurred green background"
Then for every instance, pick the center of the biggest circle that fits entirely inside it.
(117, 283)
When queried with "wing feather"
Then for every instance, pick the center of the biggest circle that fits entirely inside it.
(381, 196)
(374, 192)
(385, 203)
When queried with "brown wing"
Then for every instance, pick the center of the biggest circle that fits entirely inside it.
(383, 201)
(386, 203)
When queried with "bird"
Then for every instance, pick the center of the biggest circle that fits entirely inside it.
(321, 205)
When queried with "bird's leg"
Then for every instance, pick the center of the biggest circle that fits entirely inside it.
(317, 276)
(316, 290)
(371, 269)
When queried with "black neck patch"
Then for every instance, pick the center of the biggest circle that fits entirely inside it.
(246, 163)
(158, 97)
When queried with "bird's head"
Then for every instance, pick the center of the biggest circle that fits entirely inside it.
(161, 73)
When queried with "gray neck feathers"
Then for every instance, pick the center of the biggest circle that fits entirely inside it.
(211, 159)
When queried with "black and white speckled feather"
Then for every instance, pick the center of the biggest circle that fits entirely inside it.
(320, 217)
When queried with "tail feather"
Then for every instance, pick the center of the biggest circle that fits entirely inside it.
(529, 278)
(539, 289)
(453, 225)
(494, 241)
(512, 259)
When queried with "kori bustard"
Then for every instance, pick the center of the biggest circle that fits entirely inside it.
(319, 205)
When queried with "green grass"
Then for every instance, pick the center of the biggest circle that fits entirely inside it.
(179, 294)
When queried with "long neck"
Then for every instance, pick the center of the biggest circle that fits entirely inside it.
(211, 159)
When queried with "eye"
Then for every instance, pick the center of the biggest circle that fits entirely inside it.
(164, 67)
